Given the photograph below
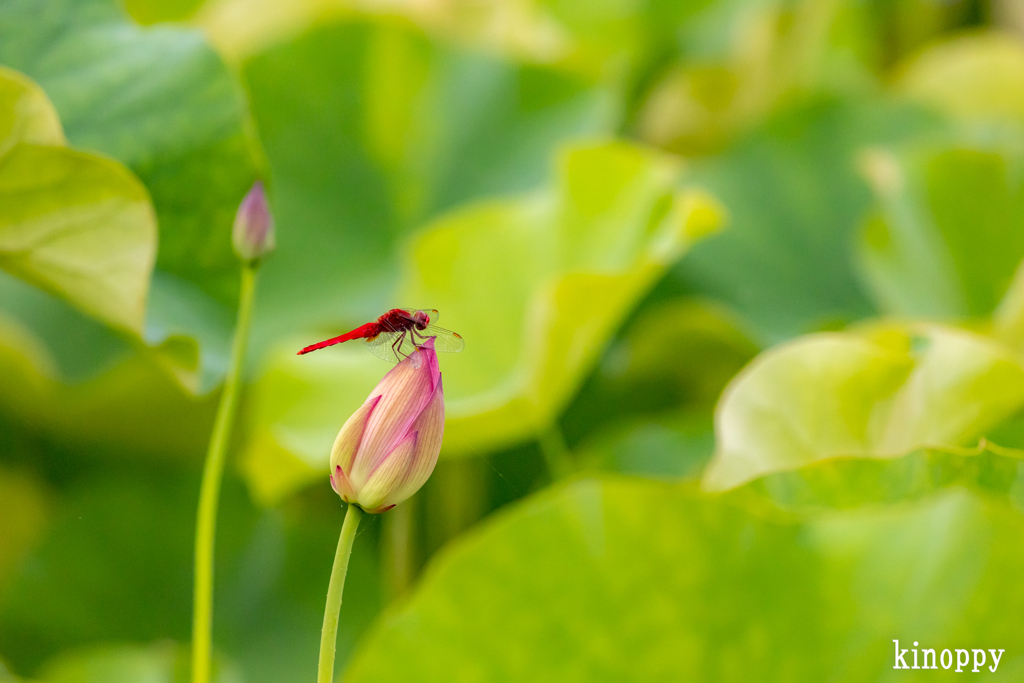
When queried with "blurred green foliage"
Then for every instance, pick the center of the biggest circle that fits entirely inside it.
(749, 269)
(540, 282)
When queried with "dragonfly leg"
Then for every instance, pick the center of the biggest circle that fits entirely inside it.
(397, 344)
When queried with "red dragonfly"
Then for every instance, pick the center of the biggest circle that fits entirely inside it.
(397, 333)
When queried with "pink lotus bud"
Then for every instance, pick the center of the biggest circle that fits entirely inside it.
(388, 448)
(253, 234)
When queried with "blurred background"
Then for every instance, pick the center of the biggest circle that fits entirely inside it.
(743, 383)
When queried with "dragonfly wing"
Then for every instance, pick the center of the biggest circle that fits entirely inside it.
(444, 340)
(383, 346)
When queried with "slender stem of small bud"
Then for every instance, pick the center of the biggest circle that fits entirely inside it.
(329, 634)
(555, 452)
(209, 492)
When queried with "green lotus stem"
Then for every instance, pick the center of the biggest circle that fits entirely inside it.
(209, 492)
(555, 452)
(329, 634)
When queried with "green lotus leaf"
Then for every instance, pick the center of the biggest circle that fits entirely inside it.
(617, 579)
(701, 602)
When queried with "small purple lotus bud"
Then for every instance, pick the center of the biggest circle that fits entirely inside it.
(253, 234)
(388, 448)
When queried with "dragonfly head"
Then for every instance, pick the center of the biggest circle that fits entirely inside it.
(421, 319)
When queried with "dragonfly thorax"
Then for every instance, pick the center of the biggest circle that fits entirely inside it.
(420, 320)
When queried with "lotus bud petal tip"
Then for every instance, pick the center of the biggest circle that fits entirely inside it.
(388, 448)
(253, 234)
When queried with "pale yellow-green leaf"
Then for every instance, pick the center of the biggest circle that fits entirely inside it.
(75, 224)
(239, 29)
(976, 76)
(535, 285)
(160, 662)
(880, 392)
(27, 115)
